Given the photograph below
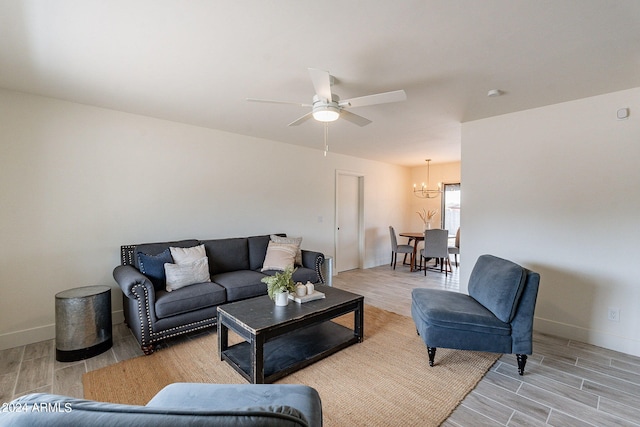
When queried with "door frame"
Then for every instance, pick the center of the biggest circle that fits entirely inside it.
(360, 227)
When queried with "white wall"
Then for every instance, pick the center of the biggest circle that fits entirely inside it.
(556, 189)
(76, 182)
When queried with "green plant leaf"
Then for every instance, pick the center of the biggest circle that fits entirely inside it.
(280, 282)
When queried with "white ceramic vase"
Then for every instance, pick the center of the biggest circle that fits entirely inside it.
(282, 298)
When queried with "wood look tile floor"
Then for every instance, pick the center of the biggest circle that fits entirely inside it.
(566, 383)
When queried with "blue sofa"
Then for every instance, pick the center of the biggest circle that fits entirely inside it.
(235, 264)
(496, 316)
(180, 404)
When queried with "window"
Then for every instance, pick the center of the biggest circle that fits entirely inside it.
(451, 208)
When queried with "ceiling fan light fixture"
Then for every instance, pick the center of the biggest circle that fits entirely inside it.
(326, 113)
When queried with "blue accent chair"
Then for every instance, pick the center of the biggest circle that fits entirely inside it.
(496, 316)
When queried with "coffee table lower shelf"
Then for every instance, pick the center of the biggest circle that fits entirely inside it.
(293, 351)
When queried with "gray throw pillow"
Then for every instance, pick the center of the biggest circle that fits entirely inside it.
(187, 255)
(181, 275)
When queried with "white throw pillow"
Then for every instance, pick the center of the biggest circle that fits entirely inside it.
(279, 256)
(181, 275)
(187, 255)
(291, 241)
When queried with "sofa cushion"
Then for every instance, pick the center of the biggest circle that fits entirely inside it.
(304, 275)
(227, 254)
(300, 274)
(187, 273)
(497, 284)
(189, 298)
(291, 241)
(157, 248)
(280, 256)
(453, 310)
(241, 284)
(152, 266)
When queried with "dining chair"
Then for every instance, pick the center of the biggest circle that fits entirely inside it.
(396, 248)
(455, 249)
(436, 245)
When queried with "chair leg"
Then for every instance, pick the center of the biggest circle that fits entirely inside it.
(395, 259)
(391, 264)
(446, 263)
(522, 360)
(432, 354)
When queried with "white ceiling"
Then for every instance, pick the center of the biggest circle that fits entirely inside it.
(197, 61)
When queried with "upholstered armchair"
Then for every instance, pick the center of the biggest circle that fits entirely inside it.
(396, 248)
(436, 246)
(496, 316)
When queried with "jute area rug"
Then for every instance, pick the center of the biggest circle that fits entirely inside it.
(383, 381)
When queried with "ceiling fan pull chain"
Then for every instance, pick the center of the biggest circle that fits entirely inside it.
(326, 138)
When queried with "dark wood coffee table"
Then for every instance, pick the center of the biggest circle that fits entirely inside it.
(282, 340)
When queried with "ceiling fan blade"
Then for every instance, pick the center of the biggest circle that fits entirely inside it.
(378, 98)
(354, 118)
(321, 82)
(301, 119)
(271, 101)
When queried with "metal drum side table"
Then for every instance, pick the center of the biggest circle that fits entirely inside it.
(327, 270)
(83, 323)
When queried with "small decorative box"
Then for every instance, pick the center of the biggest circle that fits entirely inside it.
(309, 297)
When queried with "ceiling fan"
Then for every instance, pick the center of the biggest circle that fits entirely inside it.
(327, 107)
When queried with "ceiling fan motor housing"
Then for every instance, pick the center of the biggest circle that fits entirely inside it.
(326, 111)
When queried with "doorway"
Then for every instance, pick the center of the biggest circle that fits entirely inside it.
(451, 208)
(349, 221)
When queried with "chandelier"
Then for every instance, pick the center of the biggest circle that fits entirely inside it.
(424, 192)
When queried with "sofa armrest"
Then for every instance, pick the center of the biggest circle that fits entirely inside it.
(314, 261)
(522, 323)
(128, 277)
(215, 397)
(139, 300)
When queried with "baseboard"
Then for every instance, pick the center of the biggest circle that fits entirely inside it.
(589, 336)
(41, 333)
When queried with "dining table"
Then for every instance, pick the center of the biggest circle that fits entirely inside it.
(415, 238)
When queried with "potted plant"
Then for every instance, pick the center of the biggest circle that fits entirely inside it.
(279, 285)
